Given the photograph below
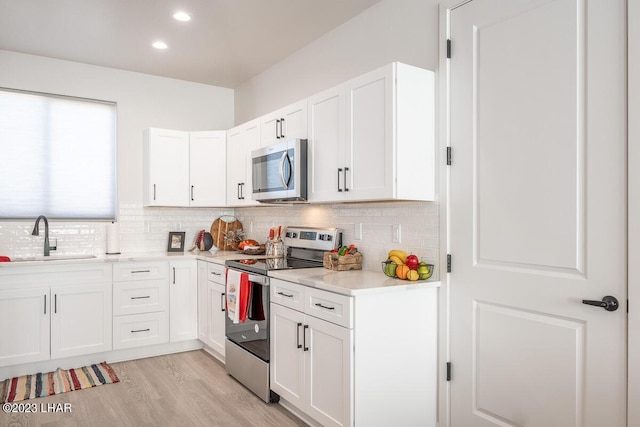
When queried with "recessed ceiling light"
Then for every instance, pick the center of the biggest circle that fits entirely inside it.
(159, 45)
(182, 16)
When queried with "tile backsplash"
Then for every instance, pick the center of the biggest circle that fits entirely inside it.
(146, 229)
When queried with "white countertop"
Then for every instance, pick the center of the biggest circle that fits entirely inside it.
(354, 282)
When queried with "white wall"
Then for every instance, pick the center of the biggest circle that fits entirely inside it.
(392, 30)
(142, 101)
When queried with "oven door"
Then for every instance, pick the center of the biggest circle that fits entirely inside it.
(253, 334)
(278, 172)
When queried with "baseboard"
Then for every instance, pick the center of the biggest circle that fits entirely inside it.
(108, 356)
(213, 353)
(297, 413)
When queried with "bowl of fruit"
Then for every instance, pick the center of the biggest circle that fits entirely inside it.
(402, 265)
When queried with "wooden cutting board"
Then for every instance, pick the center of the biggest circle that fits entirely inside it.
(219, 229)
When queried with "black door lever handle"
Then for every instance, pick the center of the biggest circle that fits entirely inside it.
(609, 303)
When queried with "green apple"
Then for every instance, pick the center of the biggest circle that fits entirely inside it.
(424, 272)
(390, 268)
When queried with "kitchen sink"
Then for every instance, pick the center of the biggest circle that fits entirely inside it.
(52, 258)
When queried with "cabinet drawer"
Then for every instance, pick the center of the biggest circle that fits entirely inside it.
(140, 329)
(331, 307)
(128, 271)
(145, 296)
(288, 294)
(216, 273)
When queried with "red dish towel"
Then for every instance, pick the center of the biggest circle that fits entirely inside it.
(238, 295)
(5, 259)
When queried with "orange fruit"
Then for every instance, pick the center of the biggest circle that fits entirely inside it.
(402, 271)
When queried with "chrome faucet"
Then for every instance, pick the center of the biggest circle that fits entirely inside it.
(36, 232)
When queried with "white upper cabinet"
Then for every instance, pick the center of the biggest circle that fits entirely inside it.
(241, 140)
(166, 167)
(285, 123)
(373, 138)
(207, 168)
(184, 168)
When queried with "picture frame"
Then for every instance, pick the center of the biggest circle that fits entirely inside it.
(176, 241)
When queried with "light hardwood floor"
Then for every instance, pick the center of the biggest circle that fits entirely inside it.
(185, 389)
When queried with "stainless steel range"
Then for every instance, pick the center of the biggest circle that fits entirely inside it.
(247, 342)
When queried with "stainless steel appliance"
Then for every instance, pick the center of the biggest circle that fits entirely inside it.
(279, 172)
(247, 344)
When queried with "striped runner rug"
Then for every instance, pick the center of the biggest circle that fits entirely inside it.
(59, 381)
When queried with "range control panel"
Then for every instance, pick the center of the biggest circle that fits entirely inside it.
(323, 238)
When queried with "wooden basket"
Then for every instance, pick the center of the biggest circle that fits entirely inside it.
(333, 261)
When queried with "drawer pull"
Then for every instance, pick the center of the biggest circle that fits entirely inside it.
(146, 296)
(304, 338)
(324, 306)
(215, 273)
(140, 330)
(298, 335)
(285, 295)
(140, 271)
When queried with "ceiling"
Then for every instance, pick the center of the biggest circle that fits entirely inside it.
(226, 42)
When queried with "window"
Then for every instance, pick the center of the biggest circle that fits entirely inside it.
(57, 157)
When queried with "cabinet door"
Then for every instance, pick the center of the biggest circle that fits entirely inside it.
(203, 306)
(24, 325)
(293, 120)
(216, 312)
(326, 156)
(241, 140)
(329, 372)
(166, 164)
(270, 128)
(81, 319)
(287, 355)
(183, 300)
(207, 168)
(370, 157)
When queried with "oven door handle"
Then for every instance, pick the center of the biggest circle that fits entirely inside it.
(255, 278)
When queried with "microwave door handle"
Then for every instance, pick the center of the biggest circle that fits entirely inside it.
(285, 182)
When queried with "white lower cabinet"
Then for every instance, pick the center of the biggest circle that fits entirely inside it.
(54, 311)
(24, 325)
(211, 306)
(311, 360)
(140, 303)
(183, 300)
(364, 360)
(81, 320)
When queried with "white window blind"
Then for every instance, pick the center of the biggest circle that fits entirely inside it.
(57, 157)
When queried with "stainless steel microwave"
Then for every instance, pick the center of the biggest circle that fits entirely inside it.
(279, 172)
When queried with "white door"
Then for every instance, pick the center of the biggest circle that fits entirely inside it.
(287, 356)
(207, 168)
(326, 145)
(216, 308)
(168, 168)
(24, 325)
(183, 301)
(328, 350)
(81, 319)
(537, 213)
(294, 120)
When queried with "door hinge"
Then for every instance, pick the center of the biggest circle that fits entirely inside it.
(448, 371)
(448, 156)
(448, 263)
(448, 48)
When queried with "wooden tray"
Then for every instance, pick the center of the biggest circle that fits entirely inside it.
(333, 261)
(219, 229)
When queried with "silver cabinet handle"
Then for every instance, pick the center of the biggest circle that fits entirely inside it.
(45, 303)
(154, 191)
(55, 303)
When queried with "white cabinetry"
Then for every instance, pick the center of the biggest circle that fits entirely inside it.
(241, 140)
(166, 167)
(373, 137)
(207, 168)
(184, 168)
(286, 123)
(211, 306)
(24, 325)
(363, 360)
(183, 300)
(81, 319)
(312, 358)
(54, 311)
(140, 304)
